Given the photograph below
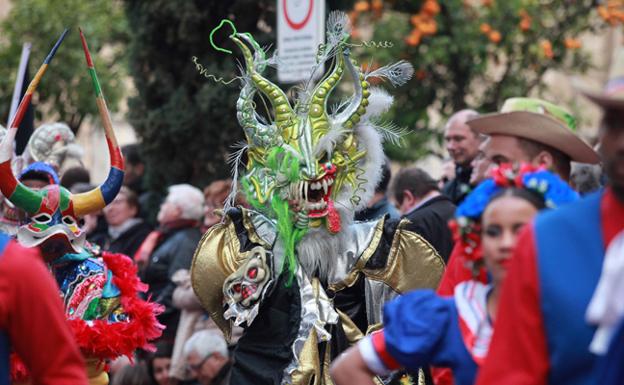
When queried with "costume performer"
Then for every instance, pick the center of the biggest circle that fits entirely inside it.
(303, 279)
(422, 328)
(542, 335)
(99, 292)
(52, 145)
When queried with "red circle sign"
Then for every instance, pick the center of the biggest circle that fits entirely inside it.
(302, 23)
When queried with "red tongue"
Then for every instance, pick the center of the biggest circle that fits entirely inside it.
(333, 218)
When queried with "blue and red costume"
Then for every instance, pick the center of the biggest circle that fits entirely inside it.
(432, 338)
(541, 334)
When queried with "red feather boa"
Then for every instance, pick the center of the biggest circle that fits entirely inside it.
(108, 340)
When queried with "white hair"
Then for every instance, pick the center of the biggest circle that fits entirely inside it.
(189, 199)
(318, 249)
(205, 343)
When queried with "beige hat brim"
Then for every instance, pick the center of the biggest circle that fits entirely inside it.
(539, 128)
(598, 97)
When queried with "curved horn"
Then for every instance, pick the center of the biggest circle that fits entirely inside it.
(284, 114)
(102, 195)
(18, 194)
(256, 132)
(318, 102)
(357, 107)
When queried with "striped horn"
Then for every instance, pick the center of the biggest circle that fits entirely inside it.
(18, 194)
(102, 195)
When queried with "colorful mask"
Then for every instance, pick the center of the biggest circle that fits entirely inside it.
(53, 210)
(319, 161)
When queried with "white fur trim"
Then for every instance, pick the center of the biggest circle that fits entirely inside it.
(371, 358)
(606, 308)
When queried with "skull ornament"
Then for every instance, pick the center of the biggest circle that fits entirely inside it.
(246, 285)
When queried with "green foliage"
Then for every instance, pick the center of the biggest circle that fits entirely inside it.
(65, 93)
(461, 67)
(187, 122)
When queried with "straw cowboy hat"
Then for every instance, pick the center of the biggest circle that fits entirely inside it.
(540, 121)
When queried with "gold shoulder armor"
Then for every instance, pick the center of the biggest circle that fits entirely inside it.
(412, 263)
(216, 257)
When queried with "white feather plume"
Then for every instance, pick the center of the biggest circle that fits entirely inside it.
(379, 102)
(235, 160)
(397, 73)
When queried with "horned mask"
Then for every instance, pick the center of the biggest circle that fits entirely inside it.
(324, 162)
(53, 211)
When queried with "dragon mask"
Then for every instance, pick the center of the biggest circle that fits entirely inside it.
(323, 162)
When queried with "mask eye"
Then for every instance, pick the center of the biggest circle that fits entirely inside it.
(42, 218)
(69, 220)
(252, 273)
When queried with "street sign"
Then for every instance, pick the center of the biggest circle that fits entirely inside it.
(300, 30)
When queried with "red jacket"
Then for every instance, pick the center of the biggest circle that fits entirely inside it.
(31, 313)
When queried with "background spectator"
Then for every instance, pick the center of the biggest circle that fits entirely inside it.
(133, 176)
(207, 357)
(448, 172)
(159, 364)
(379, 205)
(420, 201)
(215, 195)
(132, 375)
(462, 144)
(74, 175)
(171, 248)
(193, 318)
(126, 231)
(585, 178)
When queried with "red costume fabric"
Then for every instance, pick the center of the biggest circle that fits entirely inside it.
(454, 274)
(518, 352)
(31, 313)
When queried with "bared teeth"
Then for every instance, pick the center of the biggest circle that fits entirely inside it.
(305, 190)
(325, 186)
(322, 205)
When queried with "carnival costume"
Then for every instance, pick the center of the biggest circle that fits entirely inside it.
(422, 328)
(303, 279)
(52, 145)
(99, 292)
(556, 267)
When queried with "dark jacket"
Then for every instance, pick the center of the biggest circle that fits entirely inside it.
(457, 189)
(99, 235)
(223, 376)
(377, 211)
(431, 221)
(174, 251)
(128, 242)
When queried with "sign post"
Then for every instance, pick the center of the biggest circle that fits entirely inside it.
(300, 30)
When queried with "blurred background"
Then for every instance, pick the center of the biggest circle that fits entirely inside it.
(465, 54)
